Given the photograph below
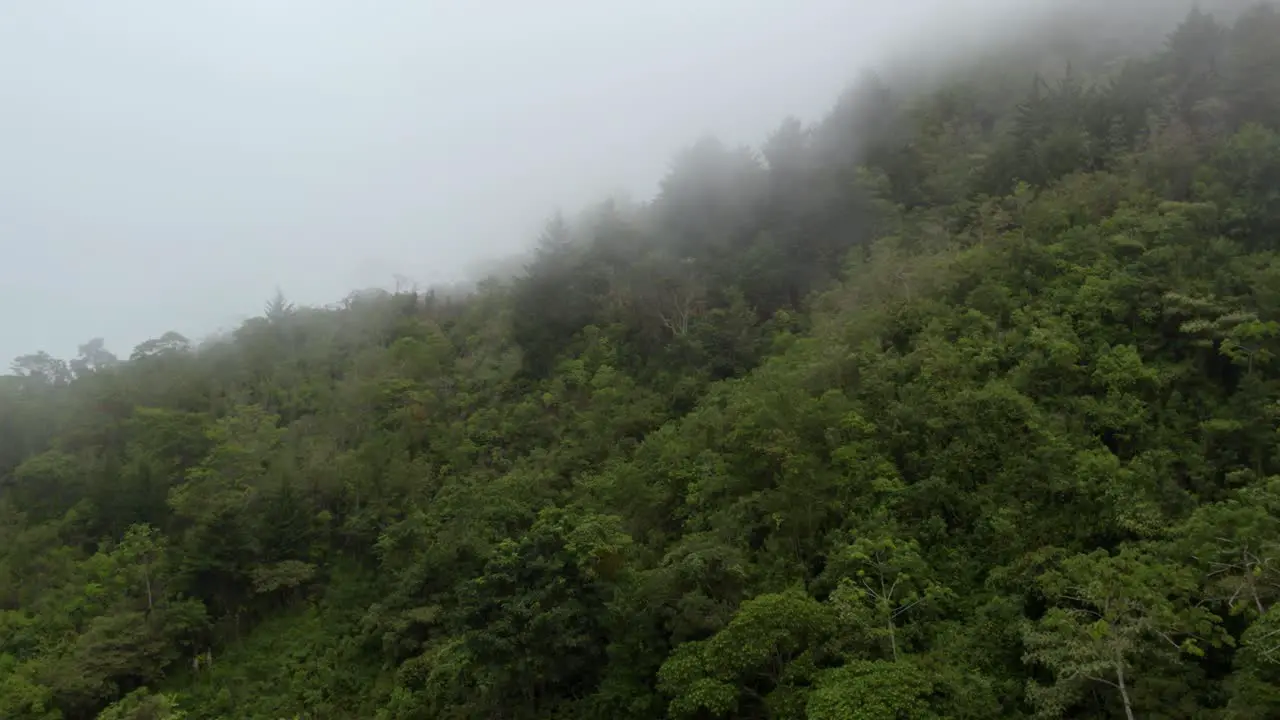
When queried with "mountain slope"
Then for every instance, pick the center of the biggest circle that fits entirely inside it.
(957, 404)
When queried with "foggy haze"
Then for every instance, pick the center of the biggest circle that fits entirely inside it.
(165, 166)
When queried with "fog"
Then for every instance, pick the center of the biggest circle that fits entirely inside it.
(166, 166)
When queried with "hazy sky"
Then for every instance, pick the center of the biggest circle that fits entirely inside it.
(165, 165)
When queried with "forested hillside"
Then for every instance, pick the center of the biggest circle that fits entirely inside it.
(961, 403)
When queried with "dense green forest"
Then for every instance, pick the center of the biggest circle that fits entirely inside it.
(961, 403)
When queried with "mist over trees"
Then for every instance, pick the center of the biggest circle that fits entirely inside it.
(960, 403)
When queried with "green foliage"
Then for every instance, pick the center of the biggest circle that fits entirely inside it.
(1111, 615)
(142, 705)
(765, 655)
(876, 690)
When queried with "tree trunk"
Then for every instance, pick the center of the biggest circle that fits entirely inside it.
(1124, 692)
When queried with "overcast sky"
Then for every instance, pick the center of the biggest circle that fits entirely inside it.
(165, 165)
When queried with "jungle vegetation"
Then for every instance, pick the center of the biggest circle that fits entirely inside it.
(960, 403)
